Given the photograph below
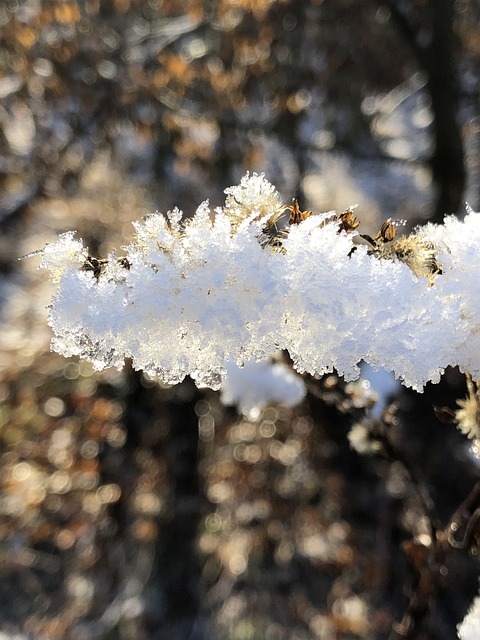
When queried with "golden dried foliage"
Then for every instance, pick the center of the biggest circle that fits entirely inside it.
(468, 415)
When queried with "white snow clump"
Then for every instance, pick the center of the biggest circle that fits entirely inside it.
(190, 297)
(259, 384)
(469, 628)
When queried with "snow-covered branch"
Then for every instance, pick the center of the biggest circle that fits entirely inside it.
(237, 284)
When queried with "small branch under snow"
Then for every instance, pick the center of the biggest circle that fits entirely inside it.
(189, 298)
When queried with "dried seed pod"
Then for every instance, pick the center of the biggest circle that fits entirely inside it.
(387, 231)
(296, 215)
(124, 262)
(348, 221)
(274, 231)
(96, 265)
(419, 255)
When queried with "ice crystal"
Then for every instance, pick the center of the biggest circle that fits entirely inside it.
(191, 296)
(65, 254)
(253, 196)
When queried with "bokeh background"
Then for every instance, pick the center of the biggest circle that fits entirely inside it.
(132, 511)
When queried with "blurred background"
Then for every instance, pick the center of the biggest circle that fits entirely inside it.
(133, 511)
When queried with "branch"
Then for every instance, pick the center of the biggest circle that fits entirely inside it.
(190, 297)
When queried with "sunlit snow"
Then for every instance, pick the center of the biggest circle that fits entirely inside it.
(258, 384)
(192, 297)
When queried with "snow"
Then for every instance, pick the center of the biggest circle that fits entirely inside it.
(259, 384)
(199, 295)
(469, 629)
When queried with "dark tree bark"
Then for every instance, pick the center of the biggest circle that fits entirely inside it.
(447, 161)
(174, 608)
(434, 48)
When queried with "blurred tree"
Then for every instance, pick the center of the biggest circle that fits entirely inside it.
(429, 28)
(183, 97)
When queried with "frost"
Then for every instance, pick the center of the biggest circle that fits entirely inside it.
(191, 297)
(62, 255)
(254, 195)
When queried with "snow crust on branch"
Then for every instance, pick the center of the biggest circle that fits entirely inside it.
(191, 297)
